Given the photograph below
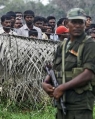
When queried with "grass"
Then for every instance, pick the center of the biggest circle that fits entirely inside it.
(94, 113)
(8, 115)
(47, 113)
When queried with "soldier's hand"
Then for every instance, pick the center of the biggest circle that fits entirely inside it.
(48, 88)
(58, 92)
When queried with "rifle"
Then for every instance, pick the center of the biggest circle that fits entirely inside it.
(55, 83)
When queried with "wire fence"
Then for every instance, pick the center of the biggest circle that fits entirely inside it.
(21, 70)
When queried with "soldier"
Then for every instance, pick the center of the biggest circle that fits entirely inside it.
(77, 66)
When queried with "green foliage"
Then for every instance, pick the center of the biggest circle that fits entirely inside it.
(16, 5)
(88, 6)
(22, 110)
(47, 113)
(53, 10)
(94, 113)
(14, 112)
(3, 2)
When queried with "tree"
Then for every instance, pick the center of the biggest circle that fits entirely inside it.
(38, 8)
(87, 5)
(13, 5)
(3, 2)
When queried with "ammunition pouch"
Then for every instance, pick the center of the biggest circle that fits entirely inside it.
(72, 74)
(88, 86)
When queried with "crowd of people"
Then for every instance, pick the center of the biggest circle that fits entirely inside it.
(28, 25)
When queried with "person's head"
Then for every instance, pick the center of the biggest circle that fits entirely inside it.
(19, 15)
(33, 33)
(49, 29)
(29, 17)
(45, 24)
(51, 21)
(88, 31)
(92, 26)
(92, 33)
(76, 21)
(18, 23)
(62, 32)
(88, 21)
(6, 22)
(38, 21)
(13, 17)
(61, 22)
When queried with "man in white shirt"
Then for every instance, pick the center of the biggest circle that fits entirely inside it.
(18, 24)
(38, 22)
(6, 25)
(24, 31)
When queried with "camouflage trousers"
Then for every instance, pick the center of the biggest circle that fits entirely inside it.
(81, 114)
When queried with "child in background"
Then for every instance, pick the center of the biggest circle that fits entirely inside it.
(33, 33)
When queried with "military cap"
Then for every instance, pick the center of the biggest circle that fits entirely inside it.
(76, 13)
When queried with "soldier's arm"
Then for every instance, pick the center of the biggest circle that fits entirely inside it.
(81, 79)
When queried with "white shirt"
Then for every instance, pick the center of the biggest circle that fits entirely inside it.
(44, 36)
(54, 37)
(24, 31)
(3, 32)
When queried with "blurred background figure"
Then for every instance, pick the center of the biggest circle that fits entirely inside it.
(38, 22)
(88, 24)
(92, 26)
(52, 21)
(49, 31)
(33, 33)
(6, 25)
(18, 24)
(29, 18)
(19, 15)
(45, 24)
(62, 22)
(92, 33)
(13, 18)
(62, 32)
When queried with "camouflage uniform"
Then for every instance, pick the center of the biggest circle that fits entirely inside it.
(78, 106)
